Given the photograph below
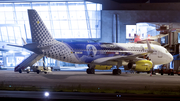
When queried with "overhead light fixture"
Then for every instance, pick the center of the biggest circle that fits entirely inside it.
(24, 53)
(11, 51)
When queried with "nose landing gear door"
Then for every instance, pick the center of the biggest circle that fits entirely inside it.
(159, 55)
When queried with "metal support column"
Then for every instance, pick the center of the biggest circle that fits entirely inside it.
(170, 39)
(57, 63)
(51, 21)
(87, 21)
(7, 34)
(1, 35)
(179, 49)
(4, 59)
(115, 30)
(69, 19)
(15, 16)
(44, 62)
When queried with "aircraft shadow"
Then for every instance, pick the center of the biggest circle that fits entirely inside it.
(110, 74)
(59, 76)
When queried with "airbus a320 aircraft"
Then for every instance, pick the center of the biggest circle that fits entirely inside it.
(96, 55)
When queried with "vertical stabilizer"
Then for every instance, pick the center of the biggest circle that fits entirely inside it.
(39, 32)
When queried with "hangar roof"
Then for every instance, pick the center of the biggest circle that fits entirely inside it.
(100, 1)
(146, 1)
(40, 0)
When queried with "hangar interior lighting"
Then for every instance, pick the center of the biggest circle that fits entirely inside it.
(11, 51)
(25, 53)
(64, 20)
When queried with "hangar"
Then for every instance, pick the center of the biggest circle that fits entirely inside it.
(109, 21)
(66, 20)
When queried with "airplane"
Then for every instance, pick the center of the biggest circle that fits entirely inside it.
(95, 55)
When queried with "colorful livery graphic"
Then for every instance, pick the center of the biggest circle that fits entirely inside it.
(103, 56)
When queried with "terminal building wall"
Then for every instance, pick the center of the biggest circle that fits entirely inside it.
(131, 17)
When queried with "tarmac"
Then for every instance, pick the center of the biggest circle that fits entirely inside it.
(101, 79)
(77, 78)
(77, 96)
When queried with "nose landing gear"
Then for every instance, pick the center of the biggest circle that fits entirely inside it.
(90, 71)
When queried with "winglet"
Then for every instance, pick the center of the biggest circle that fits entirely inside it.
(24, 41)
(149, 47)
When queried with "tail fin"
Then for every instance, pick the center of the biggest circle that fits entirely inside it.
(39, 32)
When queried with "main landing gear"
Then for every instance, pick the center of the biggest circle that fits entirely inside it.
(116, 72)
(91, 69)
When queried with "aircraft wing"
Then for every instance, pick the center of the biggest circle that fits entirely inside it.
(120, 58)
(133, 57)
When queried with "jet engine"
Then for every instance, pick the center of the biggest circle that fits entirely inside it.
(141, 65)
(103, 67)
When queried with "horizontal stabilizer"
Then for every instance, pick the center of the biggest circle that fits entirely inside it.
(21, 46)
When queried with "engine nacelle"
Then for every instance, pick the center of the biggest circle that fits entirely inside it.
(102, 67)
(141, 65)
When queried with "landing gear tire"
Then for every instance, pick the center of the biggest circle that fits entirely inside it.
(116, 72)
(90, 71)
(172, 73)
(161, 73)
(38, 71)
(20, 71)
(137, 72)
